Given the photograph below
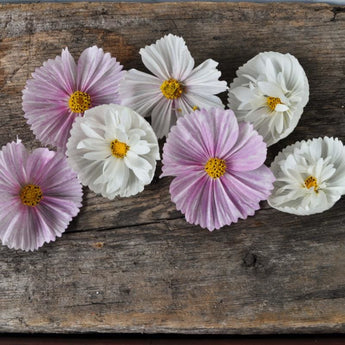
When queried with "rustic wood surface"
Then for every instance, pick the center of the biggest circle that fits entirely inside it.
(135, 265)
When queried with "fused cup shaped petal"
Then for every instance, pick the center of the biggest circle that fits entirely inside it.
(310, 176)
(218, 168)
(270, 92)
(114, 150)
(62, 90)
(175, 89)
(39, 196)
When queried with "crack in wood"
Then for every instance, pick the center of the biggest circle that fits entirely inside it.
(160, 221)
(336, 11)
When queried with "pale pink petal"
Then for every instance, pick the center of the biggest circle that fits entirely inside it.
(29, 227)
(46, 95)
(250, 186)
(13, 157)
(249, 152)
(99, 75)
(198, 137)
(209, 201)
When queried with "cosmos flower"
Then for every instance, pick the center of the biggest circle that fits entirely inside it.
(310, 176)
(39, 196)
(62, 90)
(176, 88)
(114, 150)
(270, 92)
(218, 168)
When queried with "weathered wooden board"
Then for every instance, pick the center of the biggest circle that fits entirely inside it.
(135, 265)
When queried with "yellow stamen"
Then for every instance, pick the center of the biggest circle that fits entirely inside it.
(195, 108)
(310, 182)
(119, 149)
(79, 102)
(31, 195)
(172, 89)
(272, 102)
(215, 167)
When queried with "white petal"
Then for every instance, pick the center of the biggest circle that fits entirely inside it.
(244, 94)
(140, 91)
(89, 132)
(281, 107)
(93, 160)
(270, 89)
(204, 79)
(270, 74)
(163, 117)
(96, 155)
(139, 166)
(294, 165)
(141, 148)
(168, 57)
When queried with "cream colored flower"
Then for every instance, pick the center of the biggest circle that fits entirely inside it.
(310, 176)
(270, 92)
(114, 150)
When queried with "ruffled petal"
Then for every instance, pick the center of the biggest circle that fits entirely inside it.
(163, 117)
(204, 79)
(168, 58)
(13, 174)
(28, 227)
(310, 176)
(45, 100)
(99, 75)
(249, 152)
(270, 74)
(113, 173)
(140, 91)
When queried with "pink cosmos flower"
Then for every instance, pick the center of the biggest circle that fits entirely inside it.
(61, 90)
(218, 168)
(39, 196)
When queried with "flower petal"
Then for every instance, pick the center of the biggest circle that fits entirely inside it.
(168, 58)
(111, 175)
(99, 75)
(249, 152)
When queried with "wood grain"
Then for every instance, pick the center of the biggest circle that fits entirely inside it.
(134, 265)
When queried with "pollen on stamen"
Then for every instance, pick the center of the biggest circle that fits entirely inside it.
(118, 148)
(31, 195)
(79, 102)
(310, 182)
(215, 167)
(172, 88)
(272, 102)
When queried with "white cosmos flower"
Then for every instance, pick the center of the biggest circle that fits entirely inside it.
(270, 91)
(310, 176)
(176, 89)
(114, 150)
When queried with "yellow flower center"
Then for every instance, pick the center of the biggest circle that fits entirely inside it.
(310, 182)
(31, 195)
(215, 167)
(171, 88)
(272, 102)
(79, 102)
(118, 148)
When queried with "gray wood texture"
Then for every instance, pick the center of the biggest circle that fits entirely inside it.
(334, 2)
(134, 265)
